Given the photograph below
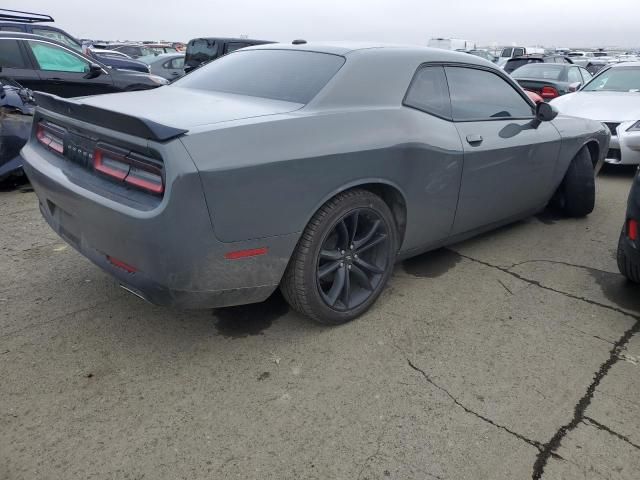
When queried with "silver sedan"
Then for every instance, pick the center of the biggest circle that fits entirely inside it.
(612, 97)
(165, 65)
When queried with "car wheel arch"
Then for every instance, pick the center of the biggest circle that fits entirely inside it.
(390, 193)
(594, 150)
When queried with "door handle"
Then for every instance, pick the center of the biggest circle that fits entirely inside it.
(474, 139)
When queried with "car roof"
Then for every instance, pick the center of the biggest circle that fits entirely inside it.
(377, 49)
(230, 39)
(625, 64)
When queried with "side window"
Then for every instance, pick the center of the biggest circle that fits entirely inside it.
(10, 54)
(12, 29)
(233, 46)
(518, 52)
(177, 63)
(54, 58)
(585, 75)
(506, 52)
(574, 75)
(482, 95)
(60, 37)
(429, 92)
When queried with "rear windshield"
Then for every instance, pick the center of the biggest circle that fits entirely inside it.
(547, 71)
(292, 76)
(517, 63)
(200, 50)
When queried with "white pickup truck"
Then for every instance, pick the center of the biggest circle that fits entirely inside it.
(510, 52)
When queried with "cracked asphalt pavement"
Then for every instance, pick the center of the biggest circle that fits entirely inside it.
(515, 355)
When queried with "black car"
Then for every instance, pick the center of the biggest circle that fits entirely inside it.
(550, 80)
(17, 106)
(43, 64)
(629, 243)
(25, 22)
(517, 62)
(203, 50)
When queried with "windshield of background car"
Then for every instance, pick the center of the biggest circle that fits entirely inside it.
(200, 51)
(621, 79)
(546, 71)
(291, 76)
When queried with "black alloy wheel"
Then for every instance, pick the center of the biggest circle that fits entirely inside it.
(352, 259)
(343, 259)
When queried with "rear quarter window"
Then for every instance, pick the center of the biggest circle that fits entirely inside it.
(429, 92)
(291, 76)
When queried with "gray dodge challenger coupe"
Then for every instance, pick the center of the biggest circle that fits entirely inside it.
(312, 168)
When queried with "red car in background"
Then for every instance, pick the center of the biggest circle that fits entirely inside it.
(534, 96)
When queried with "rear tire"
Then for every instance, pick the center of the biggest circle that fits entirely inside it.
(343, 259)
(627, 267)
(576, 195)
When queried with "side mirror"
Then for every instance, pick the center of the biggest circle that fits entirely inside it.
(544, 113)
(574, 87)
(95, 70)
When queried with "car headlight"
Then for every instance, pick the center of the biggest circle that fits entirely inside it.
(635, 127)
(158, 80)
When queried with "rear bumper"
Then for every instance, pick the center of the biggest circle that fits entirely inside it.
(178, 260)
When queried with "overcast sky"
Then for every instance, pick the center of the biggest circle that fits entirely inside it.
(540, 22)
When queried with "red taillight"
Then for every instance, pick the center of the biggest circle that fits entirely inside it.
(50, 137)
(549, 92)
(110, 163)
(131, 168)
(632, 229)
(145, 179)
(252, 252)
(120, 264)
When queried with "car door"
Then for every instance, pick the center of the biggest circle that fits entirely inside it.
(173, 68)
(63, 72)
(435, 158)
(16, 65)
(508, 164)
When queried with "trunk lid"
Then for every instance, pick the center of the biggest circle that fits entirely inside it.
(185, 108)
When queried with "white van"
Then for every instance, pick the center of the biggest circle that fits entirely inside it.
(451, 44)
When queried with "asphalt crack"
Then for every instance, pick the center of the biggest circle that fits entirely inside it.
(604, 428)
(549, 449)
(536, 283)
(539, 446)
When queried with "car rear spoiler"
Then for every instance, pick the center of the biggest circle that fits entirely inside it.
(120, 122)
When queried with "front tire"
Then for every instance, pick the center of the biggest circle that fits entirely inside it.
(626, 265)
(576, 195)
(343, 260)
